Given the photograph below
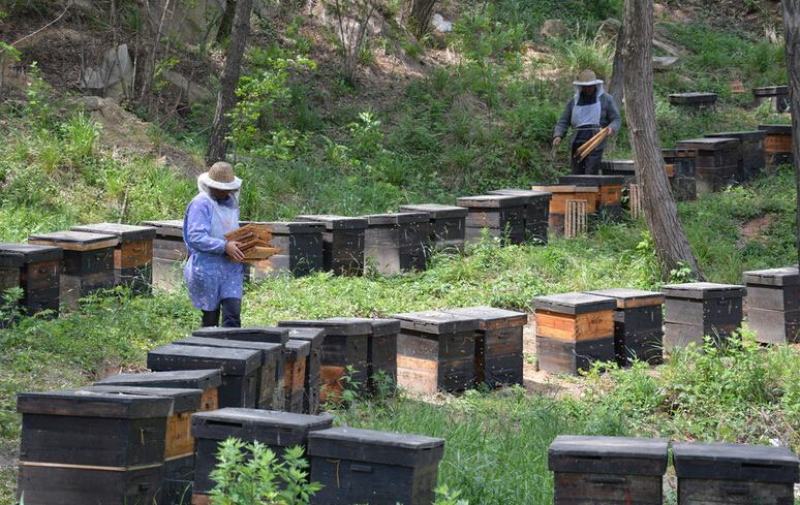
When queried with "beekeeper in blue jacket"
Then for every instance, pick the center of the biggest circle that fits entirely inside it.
(214, 272)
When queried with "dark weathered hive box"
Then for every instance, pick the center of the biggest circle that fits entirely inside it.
(777, 144)
(623, 168)
(436, 351)
(502, 215)
(609, 194)
(269, 391)
(751, 152)
(638, 321)
(75, 441)
(779, 95)
(169, 253)
(681, 171)
(693, 99)
(716, 161)
(498, 347)
(365, 466)
(277, 430)
(208, 381)
(87, 265)
(773, 304)
(698, 309)
(735, 474)
(558, 203)
(343, 242)
(133, 255)
(316, 338)
(240, 369)
(448, 224)
(573, 330)
(300, 245)
(537, 211)
(605, 470)
(397, 242)
(37, 270)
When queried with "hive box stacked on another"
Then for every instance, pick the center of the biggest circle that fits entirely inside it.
(563, 194)
(37, 270)
(638, 319)
(343, 243)
(751, 152)
(609, 195)
(773, 304)
(695, 99)
(622, 168)
(778, 95)
(169, 253)
(381, 352)
(573, 330)
(240, 369)
(716, 161)
(91, 447)
(502, 215)
(87, 265)
(277, 430)
(300, 245)
(679, 164)
(777, 144)
(208, 381)
(448, 224)
(700, 309)
(537, 212)
(498, 348)
(133, 256)
(365, 466)
(397, 242)
(608, 470)
(436, 352)
(269, 390)
(176, 487)
(734, 474)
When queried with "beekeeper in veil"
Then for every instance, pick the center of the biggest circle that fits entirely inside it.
(589, 111)
(214, 272)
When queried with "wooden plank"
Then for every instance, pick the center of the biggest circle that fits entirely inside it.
(179, 441)
(417, 375)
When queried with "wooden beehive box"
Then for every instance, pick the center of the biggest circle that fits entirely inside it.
(606, 470)
(777, 144)
(558, 203)
(397, 242)
(573, 330)
(379, 468)
(277, 430)
(638, 321)
(537, 212)
(502, 215)
(773, 304)
(680, 168)
(343, 243)
(778, 95)
(37, 270)
(436, 352)
(208, 381)
(609, 195)
(169, 253)
(751, 152)
(87, 265)
(269, 391)
(316, 338)
(734, 474)
(716, 161)
(240, 369)
(91, 447)
(698, 309)
(298, 354)
(300, 249)
(448, 224)
(133, 255)
(693, 99)
(622, 168)
(498, 348)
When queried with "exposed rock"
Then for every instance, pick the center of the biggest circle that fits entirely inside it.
(664, 62)
(194, 22)
(192, 91)
(553, 28)
(440, 24)
(113, 76)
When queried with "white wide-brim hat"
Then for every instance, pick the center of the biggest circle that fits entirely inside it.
(587, 78)
(220, 176)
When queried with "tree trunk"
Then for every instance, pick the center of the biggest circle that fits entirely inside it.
(226, 98)
(791, 24)
(661, 213)
(421, 13)
(226, 22)
(616, 86)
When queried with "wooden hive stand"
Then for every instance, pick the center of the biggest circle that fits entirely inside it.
(636, 204)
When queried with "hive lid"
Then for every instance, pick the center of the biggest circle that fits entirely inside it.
(15, 255)
(294, 227)
(492, 201)
(93, 404)
(268, 334)
(314, 336)
(630, 298)
(168, 228)
(574, 303)
(530, 194)
(608, 455)
(297, 349)
(735, 462)
(190, 379)
(267, 349)
(749, 135)
(437, 211)
(437, 322)
(335, 327)
(380, 327)
(185, 357)
(703, 290)
(397, 218)
(566, 188)
(183, 400)
(592, 180)
(125, 232)
(375, 447)
(787, 276)
(75, 240)
(776, 129)
(334, 222)
(274, 428)
(709, 144)
(491, 318)
(771, 90)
